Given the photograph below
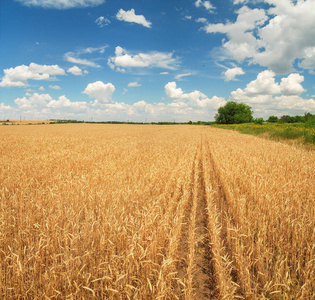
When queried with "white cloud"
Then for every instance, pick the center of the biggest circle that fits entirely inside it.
(134, 84)
(164, 73)
(81, 61)
(102, 21)
(239, 1)
(19, 76)
(172, 91)
(242, 42)
(266, 96)
(292, 85)
(294, 103)
(230, 74)
(55, 87)
(265, 84)
(130, 16)
(42, 88)
(273, 38)
(195, 99)
(123, 59)
(44, 106)
(308, 61)
(100, 91)
(61, 4)
(202, 20)
(75, 57)
(75, 70)
(259, 90)
(64, 102)
(5, 108)
(187, 17)
(206, 4)
(34, 101)
(90, 50)
(183, 106)
(180, 76)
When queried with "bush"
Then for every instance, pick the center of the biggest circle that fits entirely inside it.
(259, 121)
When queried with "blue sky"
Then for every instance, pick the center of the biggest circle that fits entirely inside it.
(150, 60)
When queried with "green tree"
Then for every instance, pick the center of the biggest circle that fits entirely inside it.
(234, 113)
(259, 121)
(273, 119)
(287, 119)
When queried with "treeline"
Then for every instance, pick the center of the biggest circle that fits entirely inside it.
(225, 116)
(237, 113)
(52, 121)
(292, 119)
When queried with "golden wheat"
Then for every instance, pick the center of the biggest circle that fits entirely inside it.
(154, 212)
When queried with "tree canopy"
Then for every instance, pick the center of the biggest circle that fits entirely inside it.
(234, 113)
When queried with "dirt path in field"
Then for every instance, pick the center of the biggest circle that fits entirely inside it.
(195, 223)
(221, 201)
(204, 273)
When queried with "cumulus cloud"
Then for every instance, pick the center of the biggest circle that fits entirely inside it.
(266, 95)
(193, 99)
(101, 92)
(124, 59)
(230, 74)
(206, 4)
(264, 84)
(294, 104)
(61, 4)
(274, 38)
(308, 61)
(131, 17)
(5, 108)
(75, 70)
(44, 105)
(291, 85)
(134, 84)
(64, 102)
(242, 42)
(19, 76)
(183, 106)
(102, 21)
(173, 92)
(33, 101)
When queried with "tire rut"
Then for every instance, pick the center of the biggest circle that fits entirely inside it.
(225, 220)
(204, 273)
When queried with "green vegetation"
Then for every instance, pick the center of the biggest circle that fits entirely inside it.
(134, 123)
(305, 132)
(234, 113)
(238, 116)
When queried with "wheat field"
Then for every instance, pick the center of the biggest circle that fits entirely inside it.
(154, 212)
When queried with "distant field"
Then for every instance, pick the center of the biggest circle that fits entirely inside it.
(22, 122)
(93, 211)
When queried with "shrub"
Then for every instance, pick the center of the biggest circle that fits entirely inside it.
(273, 119)
(259, 121)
